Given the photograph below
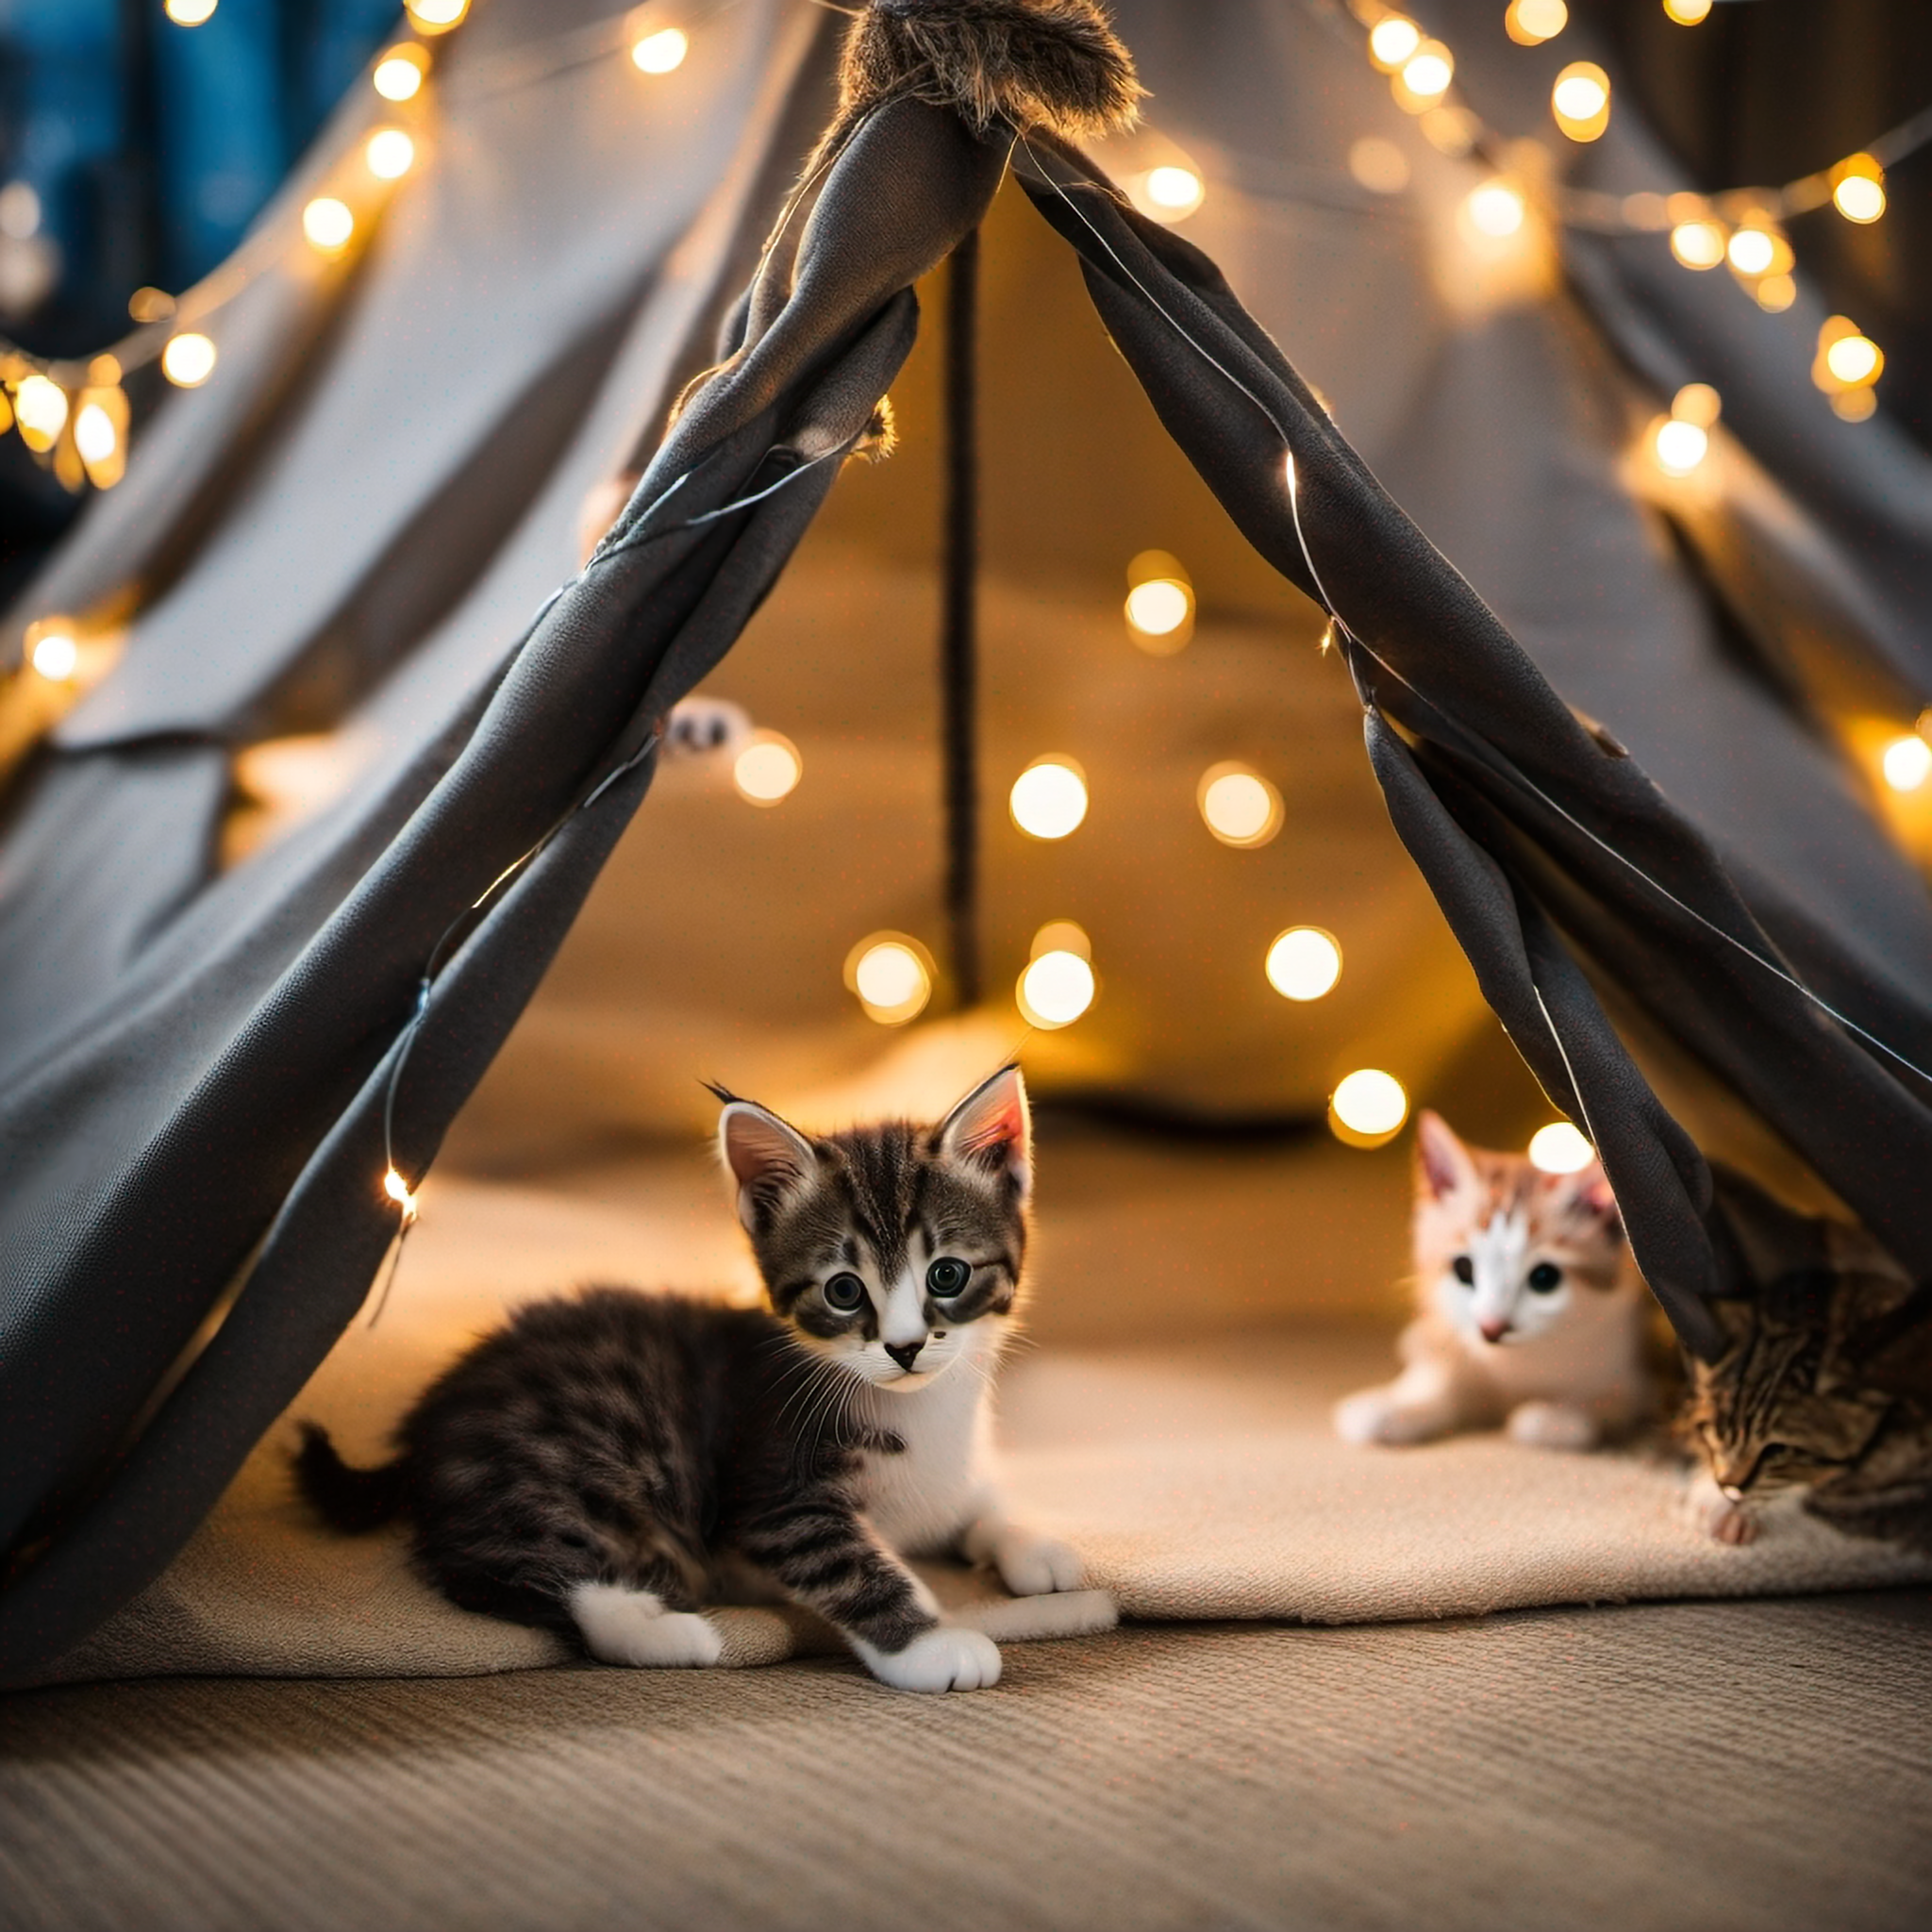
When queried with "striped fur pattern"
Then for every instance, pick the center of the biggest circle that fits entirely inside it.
(1531, 1313)
(609, 1463)
(1823, 1391)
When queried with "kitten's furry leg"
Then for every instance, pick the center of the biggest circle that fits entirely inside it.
(1423, 1402)
(1554, 1425)
(1715, 1514)
(822, 1553)
(1028, 1564)
(632, 1626)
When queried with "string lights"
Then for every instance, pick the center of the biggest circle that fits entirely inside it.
(1740, 228)
(1368, 1107)
(1303, 963)
(891, 975)
(768, 770)
(1160, 603)
(1238, 806)
(1059, 984)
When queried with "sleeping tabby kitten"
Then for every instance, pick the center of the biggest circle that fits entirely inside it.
(609, 1463)
(1530, 1312)
(1825, 1385)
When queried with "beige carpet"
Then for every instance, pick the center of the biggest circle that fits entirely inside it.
(1762, 1767)
(1200, 1479)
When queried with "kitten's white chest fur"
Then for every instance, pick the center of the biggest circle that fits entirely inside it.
(923, 1499)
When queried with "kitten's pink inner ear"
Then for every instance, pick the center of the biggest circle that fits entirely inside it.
(1442, 1163)
(759, 1146)
(993, 1127)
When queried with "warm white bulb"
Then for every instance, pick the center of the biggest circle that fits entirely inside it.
(1393, 40)
(1908, 763)
(1752, 251)
(660, 52)
(1158, 609)
(1698, 244)
(1558, 1148)
(1680, 446)
(1775, 293)
(1303, 963)
(1174, 191)
(1239, 807)
(398, 76)
(391, 154)
(40, 407)
(1529, 23)
(95, 436)
(1429, 73)
(189, 360)
(1860, 198)
(1687, 13)
(1698, 403)
(767, 769)
(189, 12)
(56, 656)
(437, 16)
(1496, 210)
(1369, 1102)
(1854, 359)
(892, 981)
(327, 222)
(1056, 990)
(1049, 800)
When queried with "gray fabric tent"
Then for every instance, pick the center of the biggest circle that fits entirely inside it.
(198, 1066)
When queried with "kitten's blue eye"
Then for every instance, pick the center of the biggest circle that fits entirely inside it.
(947, 1277)
(1544, 1277)
(844, 1292)
(1465, 1269)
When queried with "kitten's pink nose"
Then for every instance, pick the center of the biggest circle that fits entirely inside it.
(905, 1353)
(1495, 1331)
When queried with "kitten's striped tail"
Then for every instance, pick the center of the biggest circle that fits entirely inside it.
(347, 1499)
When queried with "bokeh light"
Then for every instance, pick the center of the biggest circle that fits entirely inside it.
(1580, 100)
(40, 407)
(1368, 1107)
(95, 439)
(189, 360)
(1172, 192)
(1426, 75)
(1496, 208)
(189, 12)
(54, 654)
(892, 976)
(1303, 963)
(1752, 252)
(398, 76)
(436, 16)
(1049, 798)
(660, 52)
(1698, 244)
(1378, 165)
(1679, 446)
(1856, 360)
(1860, 198)
(1687, 13)
(1529, 23)
(391, 154)
(1238, 806)
(1392, 42)
(327, 222)
(1558, 1148)
(767, 769)
(1056, 988)
(1908, 763)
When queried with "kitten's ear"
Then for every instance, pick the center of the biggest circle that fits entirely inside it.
(1441, 1161)
(767, 1157)
(1589, 1188)
(992, 1130)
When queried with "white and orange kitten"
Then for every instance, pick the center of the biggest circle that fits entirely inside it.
(1531, 1312)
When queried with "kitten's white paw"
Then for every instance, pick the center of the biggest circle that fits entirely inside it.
(1372, 1415)
(633, 1627)
(1554, 1425)
(1033, 1565)
(942, 1659)
(1714, 1513)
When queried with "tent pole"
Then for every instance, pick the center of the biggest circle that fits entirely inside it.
(958, 622)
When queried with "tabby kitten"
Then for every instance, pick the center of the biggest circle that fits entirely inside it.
(1531, 1312)
(609, 1463)
(1824, 1387)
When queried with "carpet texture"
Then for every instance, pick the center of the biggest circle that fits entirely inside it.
(1761, 1767)
(1201, 1481)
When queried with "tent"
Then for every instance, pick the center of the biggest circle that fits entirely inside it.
(1612, 721)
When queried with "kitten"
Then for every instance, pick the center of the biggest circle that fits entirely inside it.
(1824, 1386)
(1531, 1310)
(609, 1463)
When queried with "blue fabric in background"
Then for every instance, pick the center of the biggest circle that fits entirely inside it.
(152, 146)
